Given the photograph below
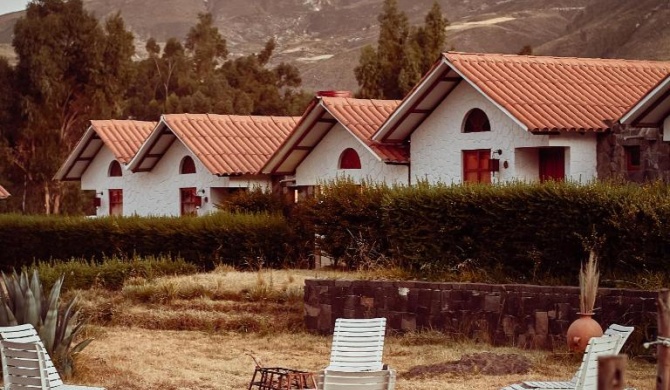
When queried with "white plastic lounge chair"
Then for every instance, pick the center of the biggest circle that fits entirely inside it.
(26, 333)
(587, 375)
(358, 345)
(365, 380)
(23, 366)
(623, 332)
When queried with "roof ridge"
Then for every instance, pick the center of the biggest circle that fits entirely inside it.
(557, 58)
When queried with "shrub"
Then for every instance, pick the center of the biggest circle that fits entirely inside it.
(25, 302)
(110, 273)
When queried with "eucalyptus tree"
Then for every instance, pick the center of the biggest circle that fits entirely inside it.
(69, 69)
(403, 54)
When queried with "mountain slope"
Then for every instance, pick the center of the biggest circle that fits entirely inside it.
(324, 37)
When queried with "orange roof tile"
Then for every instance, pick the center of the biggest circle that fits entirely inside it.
(540, 93)
(225, 144)
(361, 117)
(3, 193)
(652, 109)
(122, 137)
(553, 93)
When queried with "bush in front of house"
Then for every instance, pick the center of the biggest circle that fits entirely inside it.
(350, 222)
(222, 238)
(525, 232)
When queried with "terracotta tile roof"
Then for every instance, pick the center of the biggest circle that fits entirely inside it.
(652, 109)
(3, 193)
(122, 137)
(225, 144)
(361, 117)
(540, 93)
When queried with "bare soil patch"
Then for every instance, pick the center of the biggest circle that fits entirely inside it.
(486, 363)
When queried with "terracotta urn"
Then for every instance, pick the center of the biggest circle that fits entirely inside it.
(581, 331)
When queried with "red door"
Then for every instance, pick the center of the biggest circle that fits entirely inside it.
(552, 164)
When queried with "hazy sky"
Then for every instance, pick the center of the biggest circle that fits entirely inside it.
(7, 6)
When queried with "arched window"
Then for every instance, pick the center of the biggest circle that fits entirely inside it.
(187, 165)
(349, 159)
(476, 121)
(115, 169)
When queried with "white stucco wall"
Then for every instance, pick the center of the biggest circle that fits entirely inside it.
(321, 164)
(438, 143)
(157, 192)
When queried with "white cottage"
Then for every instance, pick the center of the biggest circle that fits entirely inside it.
(653, 110)
(495, 118)
(191, 162)
(98, 161)
(332, 140)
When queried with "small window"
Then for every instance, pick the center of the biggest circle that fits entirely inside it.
(476, 121)
(477, 166)
(189, 201)
(633, 158)
(349, 159)
(115, 202)
(115, 169)
(187, 165)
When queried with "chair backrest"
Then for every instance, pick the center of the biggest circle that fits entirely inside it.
(26, 333)
(358, 345)
(364, 380)
(23, 366)
(623, 332)
(587, 375)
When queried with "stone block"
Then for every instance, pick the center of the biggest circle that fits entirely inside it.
(312, 310)
(408, 322)
(350, 302)
(412, 301)
(435, 302)
(541, 323)
(326, 320)
(492, 303)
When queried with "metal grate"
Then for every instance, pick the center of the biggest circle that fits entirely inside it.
(277, 378)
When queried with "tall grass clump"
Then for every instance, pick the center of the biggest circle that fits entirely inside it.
(588, 284)
(112, 272)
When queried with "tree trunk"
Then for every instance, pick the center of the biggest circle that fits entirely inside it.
(662, 350)
(47, 199)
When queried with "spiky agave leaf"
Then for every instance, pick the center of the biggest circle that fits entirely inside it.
(6, 316)
(50, 325)
(36, 287)
(30, 313)
(15, 294)
(68, 324)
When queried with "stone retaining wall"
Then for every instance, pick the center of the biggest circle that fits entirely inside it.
(525, 316)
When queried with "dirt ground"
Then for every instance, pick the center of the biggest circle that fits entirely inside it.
(139, 359)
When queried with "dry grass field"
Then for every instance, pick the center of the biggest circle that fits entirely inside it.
(201, 331)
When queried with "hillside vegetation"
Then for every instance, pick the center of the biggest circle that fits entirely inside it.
(324, 37)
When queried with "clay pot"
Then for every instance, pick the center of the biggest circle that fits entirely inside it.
(581, 331)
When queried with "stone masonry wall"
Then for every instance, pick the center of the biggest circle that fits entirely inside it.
(524, 316)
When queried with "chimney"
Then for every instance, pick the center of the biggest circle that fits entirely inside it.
(341, 94)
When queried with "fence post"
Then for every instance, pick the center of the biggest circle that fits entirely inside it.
(663, 350)
(612, 372)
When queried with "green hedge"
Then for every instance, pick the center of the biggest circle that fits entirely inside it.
(235, 239)
(527, 231)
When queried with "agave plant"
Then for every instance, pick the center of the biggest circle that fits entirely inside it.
(24, 301)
